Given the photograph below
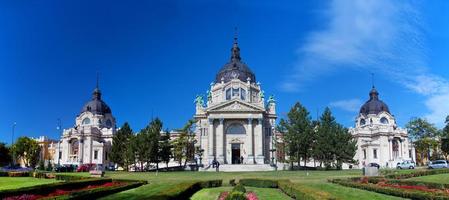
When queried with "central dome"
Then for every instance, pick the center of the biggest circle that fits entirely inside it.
(235, 68)
(374, 105)
(96, 105)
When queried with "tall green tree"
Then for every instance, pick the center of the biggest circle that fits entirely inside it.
(154, 136)
(120, 143)
(165, 148)
(299, 134)
(345, 146)
(142, 147)
(423, 133)
(5, 154)
(130, 152)
(324, 145)
(184, 145)
(28, 150)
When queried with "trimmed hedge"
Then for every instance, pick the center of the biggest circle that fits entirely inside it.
(260, 183)
(66, 178)
(2, 173)
(412, 194)
(19, 174)
(184, 190)
(418, 173)
(298, 191)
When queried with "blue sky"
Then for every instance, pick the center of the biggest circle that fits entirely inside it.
(154, 57)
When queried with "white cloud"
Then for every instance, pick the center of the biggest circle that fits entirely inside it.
(351, 105)
(379, 36)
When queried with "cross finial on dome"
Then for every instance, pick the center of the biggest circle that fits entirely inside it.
(372, 79)
(235, 48)
(97, 93)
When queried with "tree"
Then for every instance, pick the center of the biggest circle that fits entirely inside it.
(345, 146)
(165, 148)
(423, 133)
(445, 139)
(299, 135)
(142, 147)
(5, 156)
(130, 151)
(120, 144)
(28, 150)
(325, 146)
(154, 136)
(184, 145)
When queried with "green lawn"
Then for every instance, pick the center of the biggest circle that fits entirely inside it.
(262, 193)
(19, 182)
(313, 179)
(437, 178)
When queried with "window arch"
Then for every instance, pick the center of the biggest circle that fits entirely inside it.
(362, 122)
(236, 128)
(74, 147)
(86, 121)
(108, 123)
(228, 94)
(384, 120)
(243, 94)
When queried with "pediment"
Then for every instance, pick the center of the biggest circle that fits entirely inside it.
(235, 106)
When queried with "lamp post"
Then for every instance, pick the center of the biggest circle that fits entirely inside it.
(59, 142)
(12, 142)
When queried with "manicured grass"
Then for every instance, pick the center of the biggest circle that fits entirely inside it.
(314, 179)
(262, 193)
(437, 178)
(19, 182)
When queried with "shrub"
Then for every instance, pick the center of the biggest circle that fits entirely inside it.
(210, 183)
(2, 173)
(239, 188)
(19, 174)
(236, 195)
(66, 178)
(39, 175)
(418, 173)
(297, 191)
(232, 182)
(260, 183)
(184, 190)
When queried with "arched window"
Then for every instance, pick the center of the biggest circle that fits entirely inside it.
(74, 147)
(362, 122)
(384, 120)
(86, 121)
(228, 94)
(236, 128)
(108, 123)
(243, 94)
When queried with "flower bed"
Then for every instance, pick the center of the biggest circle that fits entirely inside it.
(405, 189)
(238, 193)
(75, 189)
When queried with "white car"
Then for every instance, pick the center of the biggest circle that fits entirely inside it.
(406, 164)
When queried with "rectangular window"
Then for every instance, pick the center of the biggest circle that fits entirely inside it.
(95, 154)
(60, 155)
(364, 153)
(375, 153)
(106, 155)
(410, 154)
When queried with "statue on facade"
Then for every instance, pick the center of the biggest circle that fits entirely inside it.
(271, 99)
(262, 94)
(209, 95)
(199, 100)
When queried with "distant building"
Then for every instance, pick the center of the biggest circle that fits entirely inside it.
(235, 124)
(47, 148)
(379, 139)
(90, 140)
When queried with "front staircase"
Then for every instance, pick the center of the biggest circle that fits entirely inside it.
(240, 168)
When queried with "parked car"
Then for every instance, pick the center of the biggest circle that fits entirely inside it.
(65, 168)
(406, 164)
(437, 164)
(85, 167)
(374, 165)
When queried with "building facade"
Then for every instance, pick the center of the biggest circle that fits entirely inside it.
(379, 139)
(90, 140)
(235, 125)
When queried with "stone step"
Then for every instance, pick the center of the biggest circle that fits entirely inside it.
(240, 168)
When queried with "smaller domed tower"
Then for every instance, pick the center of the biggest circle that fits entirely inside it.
(90, 140)
(379, 139)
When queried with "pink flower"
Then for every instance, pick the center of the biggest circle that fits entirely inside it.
(251, 196)
(223, 195)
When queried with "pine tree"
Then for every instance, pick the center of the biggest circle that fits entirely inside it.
(165, 148)
(154, 136)
(130, 151)
(119, 144)
(345, 146)
(325, 146)
(299, 134)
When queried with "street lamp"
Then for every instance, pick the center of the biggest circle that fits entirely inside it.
(59, 142)
(12, 142)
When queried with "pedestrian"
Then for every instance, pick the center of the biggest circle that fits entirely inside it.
(218, 166)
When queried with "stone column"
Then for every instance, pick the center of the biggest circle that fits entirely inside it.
(400, 149)
(249, 142)
(258, 140)
(220, 146)
(80, 150)
(390, 149)
(210, 145)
